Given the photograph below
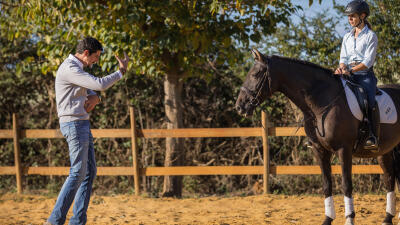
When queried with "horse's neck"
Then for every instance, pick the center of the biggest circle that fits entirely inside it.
(307, 87)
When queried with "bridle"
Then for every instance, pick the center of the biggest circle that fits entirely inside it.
(255, 95)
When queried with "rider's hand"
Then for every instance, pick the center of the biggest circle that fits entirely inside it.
(91, 102)
(342, 70)
(123, 63)
(347, 72)
(338, 71)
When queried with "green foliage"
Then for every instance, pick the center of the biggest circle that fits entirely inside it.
(160, 36)
(385, 21)
(312, 39)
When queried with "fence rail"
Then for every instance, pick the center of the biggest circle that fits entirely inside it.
(16, 134)
(194, 170)
(164, 133)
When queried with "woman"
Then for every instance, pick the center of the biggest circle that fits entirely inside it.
(357, 57)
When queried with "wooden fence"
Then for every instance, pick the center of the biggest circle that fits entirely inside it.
(16, 134)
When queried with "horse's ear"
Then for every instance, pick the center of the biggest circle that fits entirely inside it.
(257, 55)
(254, 54)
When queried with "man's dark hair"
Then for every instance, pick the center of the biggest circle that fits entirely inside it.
(90, 44)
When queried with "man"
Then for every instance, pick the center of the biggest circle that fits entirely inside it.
(75, 98)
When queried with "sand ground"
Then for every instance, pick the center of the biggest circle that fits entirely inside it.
(260, 209)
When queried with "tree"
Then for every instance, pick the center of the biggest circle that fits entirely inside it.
(385, 20)
(17, 57)
(177, 39)
(313, 39)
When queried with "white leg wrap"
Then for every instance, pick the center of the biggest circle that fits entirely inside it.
(391, 203)
(330, 208)
(348, 206)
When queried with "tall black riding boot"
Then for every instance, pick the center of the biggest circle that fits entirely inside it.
(371, 143)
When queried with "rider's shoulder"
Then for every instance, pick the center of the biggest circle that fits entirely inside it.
(372, 34)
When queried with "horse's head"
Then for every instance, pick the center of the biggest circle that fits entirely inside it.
(256, 87)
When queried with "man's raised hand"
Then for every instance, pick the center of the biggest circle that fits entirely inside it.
(123, 63)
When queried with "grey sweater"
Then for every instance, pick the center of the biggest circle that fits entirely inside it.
(73, 85)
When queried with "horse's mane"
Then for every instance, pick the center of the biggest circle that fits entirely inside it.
(329, 71)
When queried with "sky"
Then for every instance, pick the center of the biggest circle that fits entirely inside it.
(309, 11)
(325, 6)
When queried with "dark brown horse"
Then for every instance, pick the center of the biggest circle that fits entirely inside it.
(328, 122)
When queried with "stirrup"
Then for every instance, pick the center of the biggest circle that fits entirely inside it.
(371, 143)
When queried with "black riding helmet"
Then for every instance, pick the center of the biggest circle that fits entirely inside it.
(357, 6)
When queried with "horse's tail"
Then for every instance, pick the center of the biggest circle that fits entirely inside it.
(396, 163)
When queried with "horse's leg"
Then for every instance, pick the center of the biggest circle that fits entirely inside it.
(345, 156)
(386, 162)
(324, 160)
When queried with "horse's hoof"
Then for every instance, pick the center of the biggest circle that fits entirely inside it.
(388, 219)
(327, 221)
(349, 221)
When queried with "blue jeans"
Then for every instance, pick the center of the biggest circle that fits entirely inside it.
(78, 185)
(368, 81)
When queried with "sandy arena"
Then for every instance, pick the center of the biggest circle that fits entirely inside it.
(128, 209)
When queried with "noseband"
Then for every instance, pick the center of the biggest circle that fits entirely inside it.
(255, 95)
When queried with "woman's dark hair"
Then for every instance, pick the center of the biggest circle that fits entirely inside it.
(368, 24)
(89, 43)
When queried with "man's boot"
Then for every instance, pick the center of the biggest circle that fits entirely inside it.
(371, 143)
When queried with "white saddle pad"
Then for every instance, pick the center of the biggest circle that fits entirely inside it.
(387, 110)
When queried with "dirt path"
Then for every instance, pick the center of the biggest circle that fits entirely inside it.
(127, 209)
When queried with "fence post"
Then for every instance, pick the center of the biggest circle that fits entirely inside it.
(17, 158)
(264, 122)
(134, 151)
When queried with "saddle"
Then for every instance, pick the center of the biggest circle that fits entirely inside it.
(362, 99)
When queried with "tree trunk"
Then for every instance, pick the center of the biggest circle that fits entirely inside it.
(174, 146)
